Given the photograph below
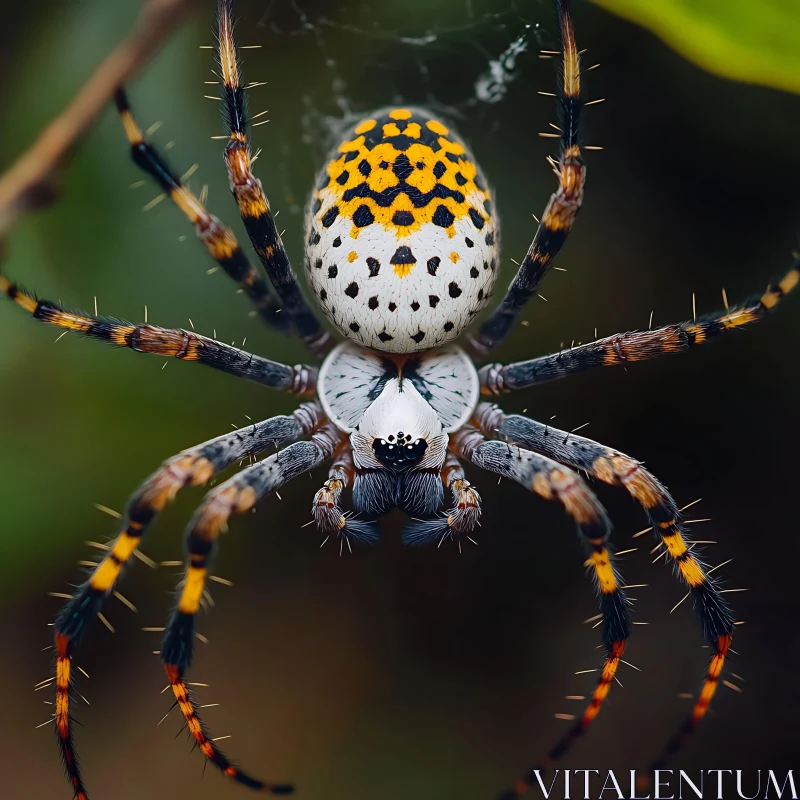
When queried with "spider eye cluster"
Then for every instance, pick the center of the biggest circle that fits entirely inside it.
(399, 451)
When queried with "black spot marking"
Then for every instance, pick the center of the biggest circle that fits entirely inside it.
(433, 264)
(402, 218)
(486, 265)
(384, 165)
(313, 238)
(355, 327)
(420, 165)
(364, 168)
(318, 263)
(329, 217)
(473, 273)
(323, 295)
(438, 170)
(418, 336)
(343, 178)
(454, 289)
(443, 217)
(392, 306)
(337, 242)
(402, 167)
(352, 290)
(460, 179)
(350, 156)
(479, 183)
(433, 300)
(363, 217)
(403, 255)
(374, 266)
(452, 157)
(490, 238)
(480, 294)
(493, 265)
(316, 207)
(487, 207)
(415, 306)
(448, 326)
(385, 337)
(324, 180)
(477, 220)
(469, 242)
(333, 271)
(373, 302)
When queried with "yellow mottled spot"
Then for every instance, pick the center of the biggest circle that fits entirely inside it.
(692, 571)
(366, 126)
(400, 113)
(698, 332)
(437, 127)
(675, 544)
(401, 270)
(451, 232)
(390, 129)
(413, 130)
(604, 571)
(192, 590)
(454, 257)
(352, 256)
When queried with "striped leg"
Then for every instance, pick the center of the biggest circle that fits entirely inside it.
(624, 348)
(327, 513)
(617, 469)
(189, 468)
(175, 343)
(235, 496)
(562, 207)
(553, 481)
(252, 201)
(215, 237)
(459, 521)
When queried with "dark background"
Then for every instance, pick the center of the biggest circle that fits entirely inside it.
(399, 673)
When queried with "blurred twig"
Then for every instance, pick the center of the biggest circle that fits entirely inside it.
(32, 182)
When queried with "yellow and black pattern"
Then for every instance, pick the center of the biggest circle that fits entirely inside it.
(402, 168)
(236, 496)
(554, 481)
(627, 348)
(617, 469)
(563, 206)
(192, 467)
(217, 238)
(253, 203)
(172, 343)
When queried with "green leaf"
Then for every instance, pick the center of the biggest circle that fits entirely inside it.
(755, 41)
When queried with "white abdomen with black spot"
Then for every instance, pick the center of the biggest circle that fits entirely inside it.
(401, 239)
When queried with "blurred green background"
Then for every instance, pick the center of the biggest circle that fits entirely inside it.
(399, 673)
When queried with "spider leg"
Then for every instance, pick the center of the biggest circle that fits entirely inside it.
(624, 348)
(235, 496)
(252, 201)
(191, 467)
(459, 521)
(562, 207)
(552, 481)
(217, 238)
(326, 511)
(618, 469)
(176, 343)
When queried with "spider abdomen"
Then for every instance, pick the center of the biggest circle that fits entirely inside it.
(401, 237)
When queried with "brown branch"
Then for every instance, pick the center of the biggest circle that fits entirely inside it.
(32, 182)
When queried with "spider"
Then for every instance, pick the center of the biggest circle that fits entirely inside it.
(401, 255)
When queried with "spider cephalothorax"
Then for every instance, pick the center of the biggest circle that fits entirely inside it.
(401, 254)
